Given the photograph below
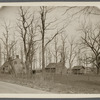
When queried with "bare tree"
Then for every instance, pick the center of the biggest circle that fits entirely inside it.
(91, 39)
(27, 29)
(63, 49)
(84, 59)
(56, 49)
(44, 11)
(49, 54)
(8, 44)
(21, 53)
(40, 59)
(81, 11)
(72, 52)
(14, 49)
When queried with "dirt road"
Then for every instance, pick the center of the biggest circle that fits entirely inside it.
(13, 88)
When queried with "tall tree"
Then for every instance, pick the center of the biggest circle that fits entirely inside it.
(7, 42)
(56, 47)
(72, 52)
(27, 29)
(63, 49)
(21, 53)
(91, 39)
(45, 25)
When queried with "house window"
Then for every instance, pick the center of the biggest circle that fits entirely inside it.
(15, 62)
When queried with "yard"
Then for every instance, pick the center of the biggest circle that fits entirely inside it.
(64, 84)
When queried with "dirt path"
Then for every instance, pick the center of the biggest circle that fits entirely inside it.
(13, 88)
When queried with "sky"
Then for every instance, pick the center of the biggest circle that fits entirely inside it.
(10, 13)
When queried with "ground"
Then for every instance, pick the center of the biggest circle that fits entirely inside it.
(13, 88)
(59, 83)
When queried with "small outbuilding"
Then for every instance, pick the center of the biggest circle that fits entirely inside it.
(51, 67)
(90, 70)
(78, 70)
(56, 68)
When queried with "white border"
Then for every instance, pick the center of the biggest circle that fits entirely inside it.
(51, 4)
(50, 95)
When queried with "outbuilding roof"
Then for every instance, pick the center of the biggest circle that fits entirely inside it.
(51, 65)
(54, 65)
(78, 67)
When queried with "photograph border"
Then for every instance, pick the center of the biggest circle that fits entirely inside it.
(53, 96)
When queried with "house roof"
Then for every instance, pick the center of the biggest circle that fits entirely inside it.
(51, 65)
(5, 64)
(54, 65)
(78, 67)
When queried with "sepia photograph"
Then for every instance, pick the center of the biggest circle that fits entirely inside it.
(49, 49)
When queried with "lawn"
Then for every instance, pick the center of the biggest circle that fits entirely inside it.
(65, 84)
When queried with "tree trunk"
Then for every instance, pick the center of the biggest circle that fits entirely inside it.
(28, 69)
(43, 57)
(97, 70)
(70, 68)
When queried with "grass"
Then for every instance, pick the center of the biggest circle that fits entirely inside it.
(65, 84)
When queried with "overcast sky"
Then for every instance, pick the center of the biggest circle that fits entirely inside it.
(11, 13)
